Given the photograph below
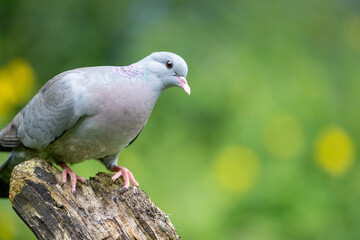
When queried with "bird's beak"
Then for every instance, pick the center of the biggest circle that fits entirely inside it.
(184, 85)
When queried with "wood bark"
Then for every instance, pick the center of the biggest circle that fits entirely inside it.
(98, 210)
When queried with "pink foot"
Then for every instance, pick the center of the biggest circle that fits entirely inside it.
(121, 171)
(73, 177)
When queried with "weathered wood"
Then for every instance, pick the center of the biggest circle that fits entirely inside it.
(98, 210)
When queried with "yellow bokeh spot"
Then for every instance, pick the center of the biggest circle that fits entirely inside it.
(236, 168)
(7, 94)
(334, 150)
(16, 83)
(352, 31)
(283, 136)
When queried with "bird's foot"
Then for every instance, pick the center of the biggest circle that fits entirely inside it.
(73, 177)
(122, 171)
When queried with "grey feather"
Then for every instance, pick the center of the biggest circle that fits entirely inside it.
(132, 141)
(9, 138)
(49, 113)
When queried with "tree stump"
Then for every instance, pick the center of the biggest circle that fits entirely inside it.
(98, 210)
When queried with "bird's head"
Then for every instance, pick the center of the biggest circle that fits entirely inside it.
(169, 68)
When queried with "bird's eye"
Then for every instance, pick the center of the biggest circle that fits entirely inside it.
(169, 64)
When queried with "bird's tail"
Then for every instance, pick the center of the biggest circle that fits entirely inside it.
(5, 174)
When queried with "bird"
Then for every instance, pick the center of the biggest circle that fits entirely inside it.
(89, 113)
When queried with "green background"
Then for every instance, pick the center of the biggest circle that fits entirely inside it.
(263, 148)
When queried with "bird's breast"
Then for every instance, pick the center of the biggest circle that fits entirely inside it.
(122, 111)
(118, 112)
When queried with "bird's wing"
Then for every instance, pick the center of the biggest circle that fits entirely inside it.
(53, 110)
(134, 138)
(8, 138)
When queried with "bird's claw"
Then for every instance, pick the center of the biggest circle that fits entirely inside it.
(73, 177)
(126, 174)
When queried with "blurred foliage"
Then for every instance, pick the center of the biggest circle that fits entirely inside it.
(264, 148)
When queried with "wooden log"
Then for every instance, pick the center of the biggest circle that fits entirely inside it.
(98, 210)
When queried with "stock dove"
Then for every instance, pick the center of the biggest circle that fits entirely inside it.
(89, 113)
